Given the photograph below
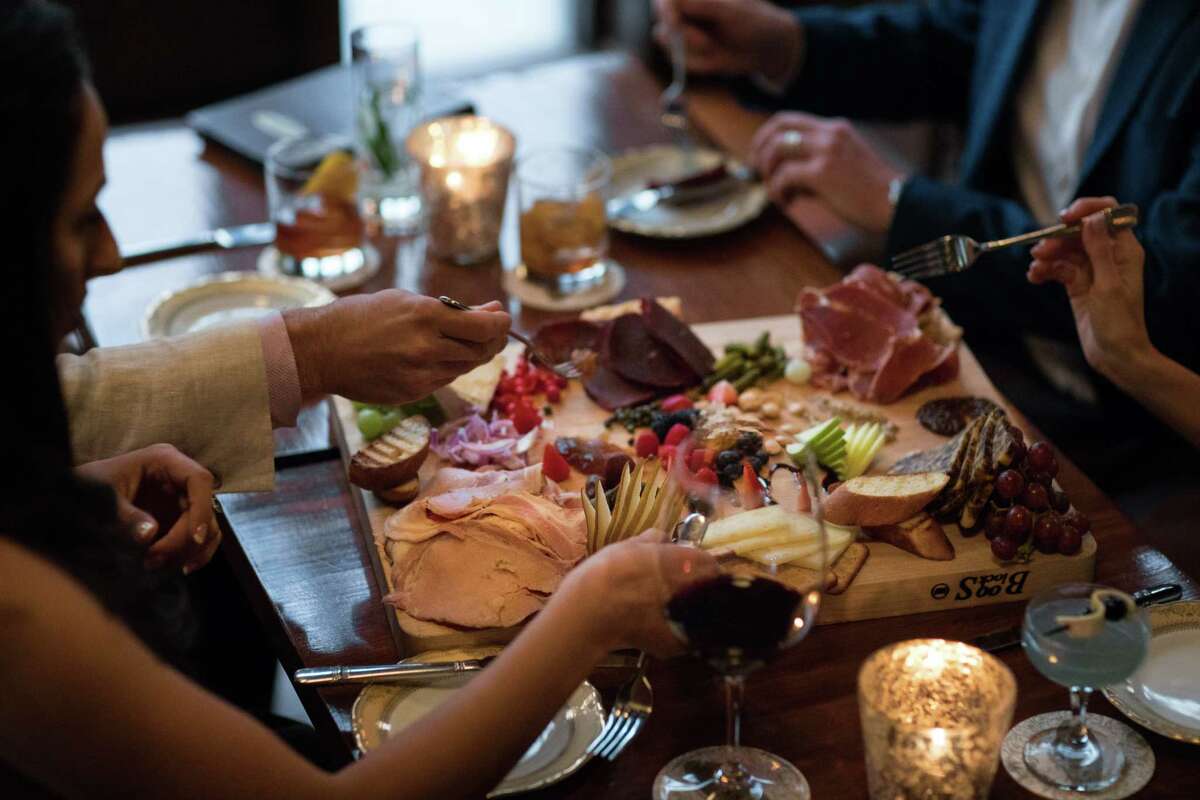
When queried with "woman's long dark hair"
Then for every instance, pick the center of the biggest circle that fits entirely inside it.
(43, 505)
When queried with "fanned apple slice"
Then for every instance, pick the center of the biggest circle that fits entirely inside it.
(589, 518)
(603, 517)
(623, 505)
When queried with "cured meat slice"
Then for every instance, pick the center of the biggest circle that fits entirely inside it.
(610, 391)
(559, 340)
(630, 350)
(855, 340)
(908, 359)
(594, 457)
(866, 300)
(672, 332)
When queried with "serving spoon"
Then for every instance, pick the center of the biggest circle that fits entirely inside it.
(566, 369)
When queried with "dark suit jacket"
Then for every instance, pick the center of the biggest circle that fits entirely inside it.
(963, 61)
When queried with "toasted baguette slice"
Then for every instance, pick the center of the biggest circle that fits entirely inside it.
(393, 458)
(882, 499)
(400, 495)
(920, 535)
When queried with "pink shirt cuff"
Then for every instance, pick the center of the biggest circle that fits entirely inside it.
(283, 380)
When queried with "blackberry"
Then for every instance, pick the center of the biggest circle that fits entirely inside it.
(727, 457)
(749, 442)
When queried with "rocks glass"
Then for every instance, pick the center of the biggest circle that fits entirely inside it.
(934, 714)
(564, 231)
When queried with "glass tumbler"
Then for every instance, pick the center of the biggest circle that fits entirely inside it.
(387, 105)
(312, 187)
(564, 231)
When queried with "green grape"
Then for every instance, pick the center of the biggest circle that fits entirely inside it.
(370, 423)
(391, 418)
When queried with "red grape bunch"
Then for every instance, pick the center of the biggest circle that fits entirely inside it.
(1027, 512)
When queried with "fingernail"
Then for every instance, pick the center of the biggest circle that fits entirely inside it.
(200, 534)
(144, 529)
(154, 562)
(188, 569)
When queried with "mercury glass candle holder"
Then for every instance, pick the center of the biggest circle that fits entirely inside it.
(465, 163)
(934, 714)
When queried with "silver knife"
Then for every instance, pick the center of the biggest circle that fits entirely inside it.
(232, 238)
(1011, 637)
(412, 670)
(678, 193)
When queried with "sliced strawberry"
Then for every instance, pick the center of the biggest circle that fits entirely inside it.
(525, 418)
(677, 433)
(724, 393)
(554, 466)
(676, 402)
(706, 475)
(750, 492)
(666, 454)
(645, 444)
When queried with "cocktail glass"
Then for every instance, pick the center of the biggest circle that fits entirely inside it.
(1073, 756)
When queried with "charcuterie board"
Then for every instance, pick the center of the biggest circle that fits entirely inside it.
(891, 583)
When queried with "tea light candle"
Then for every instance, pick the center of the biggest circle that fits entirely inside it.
(465, 162)
(934, 714)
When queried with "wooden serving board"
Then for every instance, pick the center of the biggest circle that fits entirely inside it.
(891, 583)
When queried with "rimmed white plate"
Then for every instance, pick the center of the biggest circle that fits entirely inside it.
(633, 169)
(228, 297)
(1164, 694)
(560, 750)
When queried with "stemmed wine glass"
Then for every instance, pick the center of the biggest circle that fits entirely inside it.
(736, 622)
(1073, 756)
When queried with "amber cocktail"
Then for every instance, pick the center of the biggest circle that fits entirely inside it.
(564, 232)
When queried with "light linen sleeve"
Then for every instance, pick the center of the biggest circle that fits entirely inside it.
(205, 393)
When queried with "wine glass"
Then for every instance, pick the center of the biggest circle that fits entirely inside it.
(1073, 756)
(736, 622)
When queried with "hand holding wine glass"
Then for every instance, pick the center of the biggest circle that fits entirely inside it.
(738, 620)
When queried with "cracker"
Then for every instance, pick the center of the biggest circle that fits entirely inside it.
(847, 566)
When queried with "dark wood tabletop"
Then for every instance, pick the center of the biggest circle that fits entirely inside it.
(302, 560)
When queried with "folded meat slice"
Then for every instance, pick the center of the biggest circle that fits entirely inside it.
(853, 338)
(861, 297)
(453, 493)
(473, 583)
(909, 359)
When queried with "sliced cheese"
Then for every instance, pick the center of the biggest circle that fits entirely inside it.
(472, 391)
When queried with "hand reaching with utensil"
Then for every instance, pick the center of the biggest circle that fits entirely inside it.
(159, 488)
(625, 588)
(798, 153)
(1103, 272)
(391, 346)
(737, 37)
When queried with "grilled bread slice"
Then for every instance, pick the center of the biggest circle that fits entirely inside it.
(392, 459)
(400, 495)
(882, 499)
(920, 535)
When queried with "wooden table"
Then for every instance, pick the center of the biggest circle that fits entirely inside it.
(304, 564)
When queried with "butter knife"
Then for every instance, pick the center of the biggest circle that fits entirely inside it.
(415, 670)
(1011, 637)
(679, 193)
(232, 238)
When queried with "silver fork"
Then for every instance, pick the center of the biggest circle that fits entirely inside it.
(955, 253)
(566, 369)
(673, 100)
(630, 709)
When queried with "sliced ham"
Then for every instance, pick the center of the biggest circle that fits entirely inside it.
(485, 550)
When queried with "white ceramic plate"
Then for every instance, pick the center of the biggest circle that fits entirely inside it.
(560, 750)
(228, 297)
(633, 169)
(1164, 694)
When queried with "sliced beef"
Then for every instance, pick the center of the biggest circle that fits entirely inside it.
(559, 340)
(629, 349)
(672, 332)
(610, 391)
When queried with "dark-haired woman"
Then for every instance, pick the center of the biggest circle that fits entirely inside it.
(88, 711)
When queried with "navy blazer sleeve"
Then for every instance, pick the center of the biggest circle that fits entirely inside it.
(887, 62)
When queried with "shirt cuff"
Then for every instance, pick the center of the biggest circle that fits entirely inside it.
(283, 379)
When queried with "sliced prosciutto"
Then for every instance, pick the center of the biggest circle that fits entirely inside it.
(877, 335)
